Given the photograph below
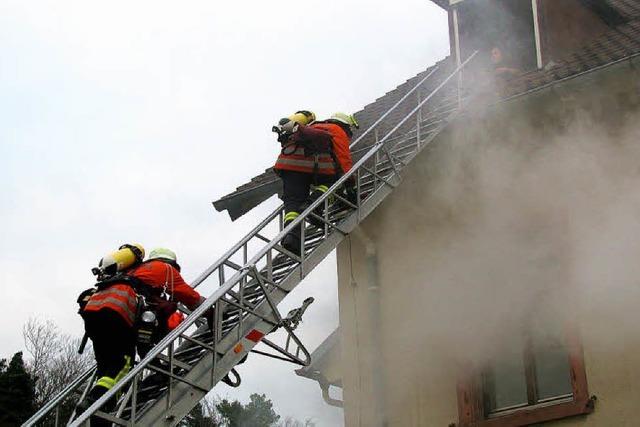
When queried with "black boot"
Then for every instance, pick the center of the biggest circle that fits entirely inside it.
(291, 241)
(93, 395)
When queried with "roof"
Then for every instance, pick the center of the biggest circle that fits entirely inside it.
(619, 42)
(627, 8)
(442, 3)
(603, 7)
(250, 195)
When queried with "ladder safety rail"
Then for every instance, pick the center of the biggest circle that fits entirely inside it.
(61, 396)
(246, 302)
(390, 110)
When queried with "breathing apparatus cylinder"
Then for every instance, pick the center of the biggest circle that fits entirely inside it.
(303, 117)
(114, 262)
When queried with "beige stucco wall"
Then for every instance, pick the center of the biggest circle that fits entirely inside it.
(529, 210)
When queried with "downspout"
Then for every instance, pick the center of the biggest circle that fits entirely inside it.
(324, 386)
(456, 33)
(536, 32)
(373, 280)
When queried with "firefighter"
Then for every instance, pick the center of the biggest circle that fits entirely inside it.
(314, 155)
(110, 313)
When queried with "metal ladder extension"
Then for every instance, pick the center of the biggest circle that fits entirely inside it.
(180, 370)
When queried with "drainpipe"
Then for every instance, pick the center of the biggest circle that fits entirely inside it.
(324, 386)
(373, 280)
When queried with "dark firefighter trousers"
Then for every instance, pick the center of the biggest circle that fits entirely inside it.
(296, 191)
(114, 344)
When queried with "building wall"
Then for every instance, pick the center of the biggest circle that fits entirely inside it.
(529, 209)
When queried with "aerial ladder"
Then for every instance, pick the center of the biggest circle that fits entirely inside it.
(253, 277)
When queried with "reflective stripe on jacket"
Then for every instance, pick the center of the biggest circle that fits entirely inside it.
(297, 161)
(321, 138)
(120, 298)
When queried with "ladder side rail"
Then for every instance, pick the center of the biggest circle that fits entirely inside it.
(235, 248)
(390, 110)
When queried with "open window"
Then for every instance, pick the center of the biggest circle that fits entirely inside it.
(535, 378)
(502, 31)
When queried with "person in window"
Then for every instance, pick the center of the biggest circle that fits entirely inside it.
(502, 71)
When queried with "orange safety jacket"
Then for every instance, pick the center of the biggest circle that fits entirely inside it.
(341, 143)
(158, 276)
(161, 276)
(320, 139)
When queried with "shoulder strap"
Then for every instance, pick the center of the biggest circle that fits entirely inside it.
(122, 279)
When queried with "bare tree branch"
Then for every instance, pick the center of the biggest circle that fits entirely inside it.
(54, 360)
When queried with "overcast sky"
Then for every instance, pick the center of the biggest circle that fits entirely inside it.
(121, 121)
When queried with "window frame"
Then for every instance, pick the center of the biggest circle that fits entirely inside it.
(454, 30)
(471, 406)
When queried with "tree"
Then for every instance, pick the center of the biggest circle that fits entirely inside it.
(54, 360)
(292, 422)
(257, 413)
(16, 392)
(53, 363)
(203, 415)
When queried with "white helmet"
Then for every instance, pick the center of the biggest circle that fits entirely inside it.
(347, 119)
(166, 255)
(162, 253)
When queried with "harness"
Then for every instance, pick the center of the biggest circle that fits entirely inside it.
(315, 151)
(122, 279)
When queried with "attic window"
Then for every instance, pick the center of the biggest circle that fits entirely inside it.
(501, 30)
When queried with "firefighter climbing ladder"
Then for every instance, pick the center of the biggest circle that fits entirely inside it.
(254, 276)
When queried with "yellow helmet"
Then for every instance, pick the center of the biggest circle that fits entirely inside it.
(303, 117)
(347, 119)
